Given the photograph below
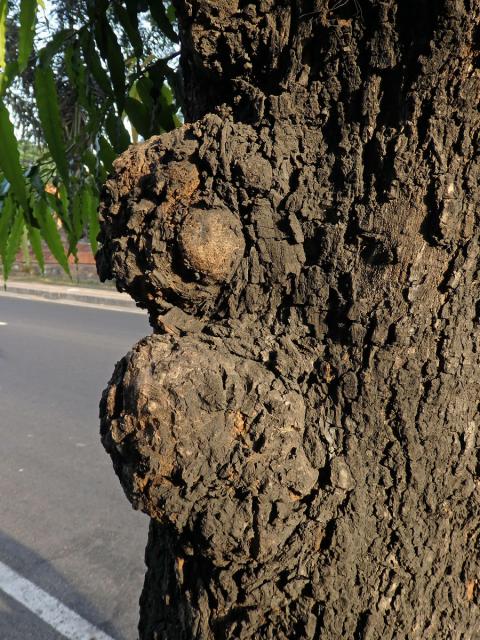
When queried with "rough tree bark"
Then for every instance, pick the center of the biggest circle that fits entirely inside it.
(302, 426)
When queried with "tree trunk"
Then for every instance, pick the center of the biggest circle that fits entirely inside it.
(302, 427)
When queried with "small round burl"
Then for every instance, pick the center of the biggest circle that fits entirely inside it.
(163, 239)
(211, 244)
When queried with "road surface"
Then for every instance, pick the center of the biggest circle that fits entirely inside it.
(65, 525)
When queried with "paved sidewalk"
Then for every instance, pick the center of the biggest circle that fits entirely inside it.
(71, 294)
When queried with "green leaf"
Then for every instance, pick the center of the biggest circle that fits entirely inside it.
(94, 166)
(171, 13)
(90, 216)
(82, 78)
(10, 160)
(50, 234)
(3, 31)
(93, 230)
(35, 179)
(55, 44)
(77, 219)
(144, 87)
(49, 113)
(90, 160)
(166, 94)
(134, 7)
(8, 76)
(6, 213)
(106, 153)
(36, 244)
(13, 243)
(28, 12)
(63, 210)
(93, 62)
(157, 74)
(118, 134)
(77, 73)
(58, 203)
(138, 115)
(166, 109)
(129, 23)
(112, 53)
(159, 14)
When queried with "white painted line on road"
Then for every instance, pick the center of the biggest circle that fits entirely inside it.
(48, 608)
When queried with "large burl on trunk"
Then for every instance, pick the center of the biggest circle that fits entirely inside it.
(303, 425)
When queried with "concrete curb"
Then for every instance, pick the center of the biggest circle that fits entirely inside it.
(64, 293)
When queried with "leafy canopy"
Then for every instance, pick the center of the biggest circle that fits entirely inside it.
(80, 80)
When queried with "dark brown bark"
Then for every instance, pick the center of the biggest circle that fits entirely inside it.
(302, 427)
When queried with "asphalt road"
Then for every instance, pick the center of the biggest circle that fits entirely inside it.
(65, 524)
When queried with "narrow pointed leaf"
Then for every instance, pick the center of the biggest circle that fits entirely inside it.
(28, 11)
(138, 115)
(112, 54)
(64, 212)
(159, 14)
(95, 167)
(6, 213)
(50, 234)
(36, 244)
(134, 7)
(10, 159)
(166, 109)
(93, 230)
(8, 76)
(144, 87)
(55, 44)
(117, 133)
(94, 64)
(13, 243)
(91, 161)
(106, 153)
(55, 202)
(171, 13)
(77, 220)
(157, 74)
(77, 73)
(89, 211)
(35, 179)
(49, 113)
(3, 31)
(130, 26)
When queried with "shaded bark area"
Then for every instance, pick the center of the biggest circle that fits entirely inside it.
(303, 425)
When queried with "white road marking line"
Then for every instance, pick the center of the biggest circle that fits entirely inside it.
(3, 324)
(48, 608)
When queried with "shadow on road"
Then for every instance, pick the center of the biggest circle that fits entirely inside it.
(18, 622)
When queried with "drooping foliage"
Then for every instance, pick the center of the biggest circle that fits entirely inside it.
(79, 81)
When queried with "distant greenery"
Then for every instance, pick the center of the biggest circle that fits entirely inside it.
(30, 152)
(79, 81)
